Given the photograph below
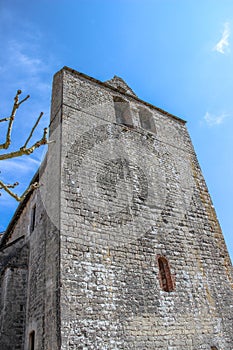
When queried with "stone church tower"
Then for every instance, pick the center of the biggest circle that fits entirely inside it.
(120, 247)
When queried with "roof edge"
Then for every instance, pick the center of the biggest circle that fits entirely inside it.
(105, 84)
(22, 204)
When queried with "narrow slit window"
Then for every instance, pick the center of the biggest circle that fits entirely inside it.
(32, 340)
(33, 219)
(165, 277)
(122, 111)
(147, 120)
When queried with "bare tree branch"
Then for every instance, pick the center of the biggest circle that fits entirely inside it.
(10, 186)
(4, 119)
(16, 105)
(24, 150)
(18, 198)
(32, 131)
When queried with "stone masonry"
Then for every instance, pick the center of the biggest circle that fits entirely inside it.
(120, 247)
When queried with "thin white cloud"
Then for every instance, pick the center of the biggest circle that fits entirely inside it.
(223, 43)
(7, 202)
(27, 65)
(19, 166)
(214, 120)
(23, 58)
(29, 62)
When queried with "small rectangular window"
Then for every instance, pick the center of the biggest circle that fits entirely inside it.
(122, 111)
(165, 277)
(146, 120)
(32, 340)
(33, 218)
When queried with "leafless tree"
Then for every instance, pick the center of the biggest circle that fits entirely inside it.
(24, 150)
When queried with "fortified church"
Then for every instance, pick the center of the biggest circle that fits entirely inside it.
(120, 246)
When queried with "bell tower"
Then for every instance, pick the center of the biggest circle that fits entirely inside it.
(120, 246)
(143, 258)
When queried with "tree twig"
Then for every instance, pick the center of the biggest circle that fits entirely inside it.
(26, 151)
(32, 131)
(11, 185)
(16, 105)
(4, 119)
(18, 198)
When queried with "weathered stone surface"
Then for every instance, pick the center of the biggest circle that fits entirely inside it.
(114, 198)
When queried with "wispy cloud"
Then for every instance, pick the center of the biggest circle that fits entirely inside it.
(223, 43)
(214, 120)
(26, 64)
(33, 64)
(21, 169)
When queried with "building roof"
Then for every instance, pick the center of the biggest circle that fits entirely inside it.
(111, 84)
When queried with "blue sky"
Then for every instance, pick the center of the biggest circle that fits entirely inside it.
(175, 54)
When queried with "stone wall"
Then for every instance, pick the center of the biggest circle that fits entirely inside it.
(128, 196)
(29, 278)
(13, 294)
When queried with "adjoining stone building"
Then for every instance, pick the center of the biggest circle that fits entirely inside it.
(120, 247)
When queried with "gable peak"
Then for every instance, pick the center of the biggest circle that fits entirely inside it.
(120, 85)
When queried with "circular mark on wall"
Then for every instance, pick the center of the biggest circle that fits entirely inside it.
(116, 181)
